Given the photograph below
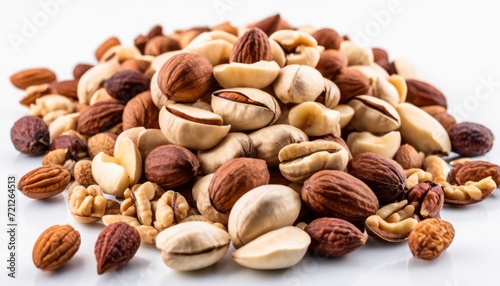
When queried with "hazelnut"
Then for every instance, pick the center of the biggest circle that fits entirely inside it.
(331, 62)
(141, 111)
(351, 83)
(30, 135)
(328, 38)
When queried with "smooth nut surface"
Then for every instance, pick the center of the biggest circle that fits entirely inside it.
(471, 139)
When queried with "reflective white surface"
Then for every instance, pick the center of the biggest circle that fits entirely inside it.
(454, 45)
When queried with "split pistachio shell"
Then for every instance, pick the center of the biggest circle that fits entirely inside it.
(277, 249)
(204, 202)
(269, 140)
(386, 91)
(256, 75)
(299, 161)
(234, 145)
(261, 210)
(386, 145)
(191, 134)
(331, 94)
(315, 119)
(373, 115)
(423, 131)
(298, 83)
(256, 110)
(192, 245)
(346, 114)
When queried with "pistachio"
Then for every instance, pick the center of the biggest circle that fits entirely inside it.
(373, 115)
(298, 83)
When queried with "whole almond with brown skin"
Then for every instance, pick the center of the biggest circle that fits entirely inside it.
(430, 238)
(80, 69)
(55, 247)
(331, 62)
(385, 177)
(171, 166)
(441, 114)
(408, 157)
(125, 85)
(66, 87)
(100, 117)
(351, 83)
(328, 38)
(29, 77)
(381, 57)
(234, 178)
(44, 182)
(161, 44)
(332, 193)
(115, 246)
(427, 198)
(474, 171)
(471, 139)
(106, 45)
(251, 47)
(136, 65)
(423, 94)
(332, 237)
(141, 111)
(271, 24)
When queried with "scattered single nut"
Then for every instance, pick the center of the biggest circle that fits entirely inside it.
(55, 247)
(87, 204)
(44, 182)
(30, 135)
(471, 139)
(430, 238)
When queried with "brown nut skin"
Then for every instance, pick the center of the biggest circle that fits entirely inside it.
(160, 44)
(408, 157)
(423, 94)
(77, 148)
(474, 171)
(351, 83)
(80, 69)
(331, 62)
(115, 246)
(430, 238)
(427, 198)
(30, 136)
(234, 178)
(171, 166)
(385, 177)
(251, 47)
(29, 77)
(332, 193)
(44, 182)
(271, 24)
(100, 117)
(141, 111)
(67, 88)
(332, 237)
(55, 247)
(381, 57)
(328, 38)
(471, 139)
(125, 85)
(441, 114)
(185, 77)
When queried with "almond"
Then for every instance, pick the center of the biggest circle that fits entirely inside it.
(423, 94)
(29, 77)
(66, 87)
(252, 47)
(351, 83)
(100, 117)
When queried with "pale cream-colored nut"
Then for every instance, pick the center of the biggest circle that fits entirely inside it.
(204, 203)
(192, 245)
(145, 139)
(62, 124)
(116, 173)
(269, 140)
(383, 89)
(120, 54)
(438, 168)
(330, 96)
(262, 210)
(216, 46)
(459, 161)
(159, 99)
(301, 225)
(277, 249)
(386, 145)
(392, 222)
(423, 131)
(299, 161)
(298, 83)
(196, 218)
(405, 69)
(51, 103)
(304, 55)
(75, 133)
(171, 208)
(356, 54)
(415, 176)
(256, 75)
(315, 119)
(160, 60)
(99, 95)
(57, 156)
(147, 233)
(141, 196)
(94, 78)
(373, 115)
(245, 108)
(371, 71)
(400, 84)
(53, 115)
(109, 219)
(101, 142)
(346, 114)
(278, 55)
(87, 204)
(83, 173)
(299, 47)
(234, 145)
(127, 207)
(470, 192)
(184, 125)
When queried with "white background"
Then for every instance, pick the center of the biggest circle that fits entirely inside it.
(454, 44)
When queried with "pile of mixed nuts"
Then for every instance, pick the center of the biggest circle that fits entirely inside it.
(279, 140)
